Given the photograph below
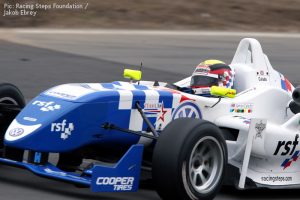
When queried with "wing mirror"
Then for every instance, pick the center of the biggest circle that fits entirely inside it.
(132, 74)
(222, 92)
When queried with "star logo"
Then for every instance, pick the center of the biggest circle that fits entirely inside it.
(163, 112)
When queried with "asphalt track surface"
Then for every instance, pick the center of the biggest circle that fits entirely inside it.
(35, 62)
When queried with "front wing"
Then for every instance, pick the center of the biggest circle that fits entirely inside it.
(122, 177)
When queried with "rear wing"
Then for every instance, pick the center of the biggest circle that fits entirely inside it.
(250, 52)
(253, 68)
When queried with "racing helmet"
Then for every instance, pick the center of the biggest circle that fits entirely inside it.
(211, 73)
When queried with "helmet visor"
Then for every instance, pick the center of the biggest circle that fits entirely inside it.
(203, 81)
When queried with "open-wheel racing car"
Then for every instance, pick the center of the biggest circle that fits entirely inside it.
(247, 137)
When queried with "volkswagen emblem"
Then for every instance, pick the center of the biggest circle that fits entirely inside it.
(16, 132)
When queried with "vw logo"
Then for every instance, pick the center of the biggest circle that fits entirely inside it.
(16, 132)
(188, 110)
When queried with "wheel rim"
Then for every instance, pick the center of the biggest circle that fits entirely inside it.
(205, 165)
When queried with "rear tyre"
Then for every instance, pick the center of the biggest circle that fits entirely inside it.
(189, 160)
(10, 94)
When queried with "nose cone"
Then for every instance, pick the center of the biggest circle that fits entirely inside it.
(17, 131)
(70, 116)
(51, 124)
(32, 128)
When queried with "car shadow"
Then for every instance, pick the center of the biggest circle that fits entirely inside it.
(258, 193)
(19, 180)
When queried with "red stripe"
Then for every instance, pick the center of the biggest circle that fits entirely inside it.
(288, 84)
(287, 165)
(199, 86)
(219, 71)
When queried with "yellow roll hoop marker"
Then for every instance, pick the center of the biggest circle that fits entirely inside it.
(132, 74)
(222, 92)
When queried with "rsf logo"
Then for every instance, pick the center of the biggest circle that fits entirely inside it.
(47, 106)
(65, 129)
(16, 132)
(286, 147)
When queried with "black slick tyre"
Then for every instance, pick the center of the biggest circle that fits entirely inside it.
(189, 160)
(11, 95)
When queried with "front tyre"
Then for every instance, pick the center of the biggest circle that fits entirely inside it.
(11, 95)
(189, 160)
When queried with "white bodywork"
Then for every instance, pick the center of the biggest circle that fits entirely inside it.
(271, 158)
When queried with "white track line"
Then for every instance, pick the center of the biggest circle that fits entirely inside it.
(149, 32)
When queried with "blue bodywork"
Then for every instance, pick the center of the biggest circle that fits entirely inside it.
(88, 113)
(127, 168)
(72, 116)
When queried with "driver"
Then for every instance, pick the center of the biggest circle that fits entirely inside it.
(211, 73)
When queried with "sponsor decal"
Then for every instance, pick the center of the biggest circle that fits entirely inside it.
(50, 171)
(37, 157)
(85, 85)
(30, 119)
(16, 132)
(61, 95)
(202, 70)
(152, 110)
(285, 83)
(287, 162)
(47, 106)
(205, 90)
(65, 129)
(241, 108)
(288, 148)
(69, 91)
(152, 105)
(263, 78)
(118, 183)
(60, 173)
(124, 176)
(276, 178)
(188, 110)
(259, 127)
(202, 90)
(245, 120)
(162, 114)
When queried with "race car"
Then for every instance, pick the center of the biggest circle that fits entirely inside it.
(192, 145)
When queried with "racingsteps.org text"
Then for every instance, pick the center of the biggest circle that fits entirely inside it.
(276, 178)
